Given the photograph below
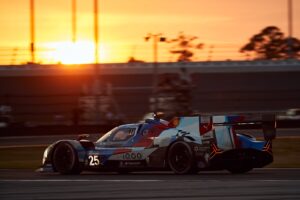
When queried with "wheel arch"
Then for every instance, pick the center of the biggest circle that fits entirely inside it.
(167, 151)
(81, 152)
(180, 139)
(177, 140)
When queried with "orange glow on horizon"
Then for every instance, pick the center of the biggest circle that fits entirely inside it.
(223, 26)
(81, 52)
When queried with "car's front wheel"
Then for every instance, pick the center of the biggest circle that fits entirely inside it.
(180, 158)
(65, 159)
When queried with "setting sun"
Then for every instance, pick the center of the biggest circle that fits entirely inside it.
(75, 53)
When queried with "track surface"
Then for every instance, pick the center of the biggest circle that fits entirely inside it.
(258, 184)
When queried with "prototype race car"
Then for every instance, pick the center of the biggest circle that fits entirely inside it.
(183, 145)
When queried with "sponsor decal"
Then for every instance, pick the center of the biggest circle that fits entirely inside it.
(131, 163)
(132, 156)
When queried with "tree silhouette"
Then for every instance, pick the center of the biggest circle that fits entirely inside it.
(271, 43)
(184, 47)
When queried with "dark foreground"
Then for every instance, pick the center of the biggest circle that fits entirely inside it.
(258, 184)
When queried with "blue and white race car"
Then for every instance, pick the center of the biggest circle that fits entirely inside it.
(183, 145)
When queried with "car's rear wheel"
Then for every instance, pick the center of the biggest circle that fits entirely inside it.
(65, 159)
(181, 159)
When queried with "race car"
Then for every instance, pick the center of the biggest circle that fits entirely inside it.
(184, 145)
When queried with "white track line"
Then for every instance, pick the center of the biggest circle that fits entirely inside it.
(135, 181)
(74, 180)
(23, 146)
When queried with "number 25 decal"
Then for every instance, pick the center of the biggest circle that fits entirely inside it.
(94, 160)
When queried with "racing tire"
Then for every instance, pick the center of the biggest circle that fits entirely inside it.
(181, 159)
(65, 159)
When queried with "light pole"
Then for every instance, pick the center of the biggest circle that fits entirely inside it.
(73, 21)
(96, 34)
(290, 27)
(96, 67)
(156, 38)
(32, 32)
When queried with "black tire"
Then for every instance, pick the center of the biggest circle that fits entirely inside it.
(181, 159)
(65, 159)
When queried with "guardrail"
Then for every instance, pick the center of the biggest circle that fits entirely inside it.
(121, 68)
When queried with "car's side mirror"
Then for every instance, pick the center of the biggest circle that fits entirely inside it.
(83, 137)
(269, 126)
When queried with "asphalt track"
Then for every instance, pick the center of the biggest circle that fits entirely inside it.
(258, 184)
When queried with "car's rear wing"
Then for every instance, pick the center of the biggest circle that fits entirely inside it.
(202, 124)
(265, 121)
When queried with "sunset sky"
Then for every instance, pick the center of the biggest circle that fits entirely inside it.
(224, 24)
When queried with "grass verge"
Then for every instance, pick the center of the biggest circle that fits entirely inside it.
(21, 157)
(286, 152)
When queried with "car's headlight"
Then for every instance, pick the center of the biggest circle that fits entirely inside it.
(45, 155)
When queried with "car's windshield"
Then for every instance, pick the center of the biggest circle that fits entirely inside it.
(106, 135)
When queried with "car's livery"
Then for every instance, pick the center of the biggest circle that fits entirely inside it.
(183, 145)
